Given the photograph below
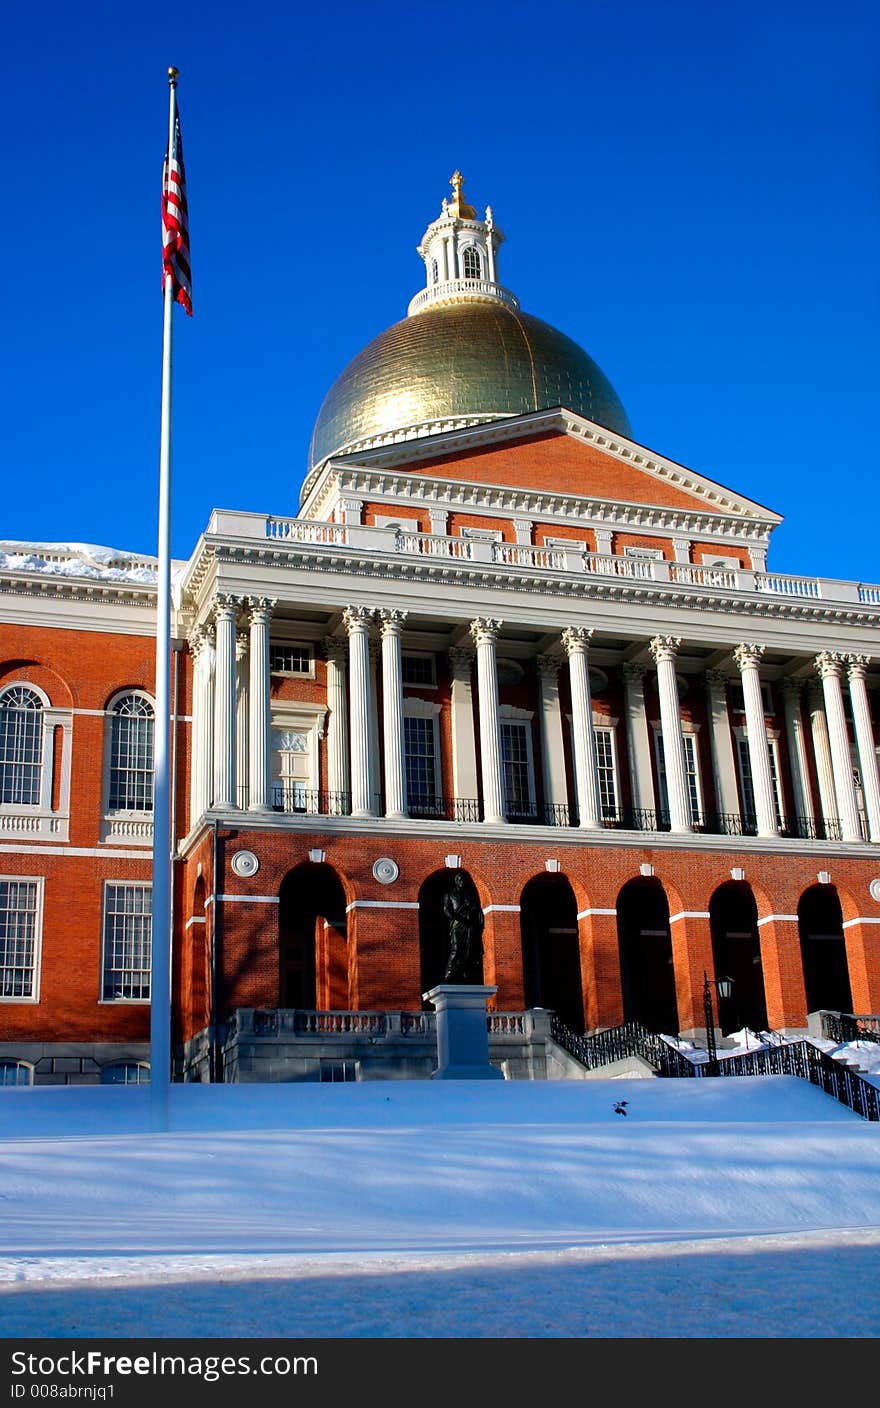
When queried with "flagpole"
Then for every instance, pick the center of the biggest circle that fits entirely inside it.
(160, 964)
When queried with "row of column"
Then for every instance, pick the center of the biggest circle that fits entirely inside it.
(231, 709)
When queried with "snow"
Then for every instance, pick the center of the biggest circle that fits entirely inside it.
(87, 560)
(416, 1209)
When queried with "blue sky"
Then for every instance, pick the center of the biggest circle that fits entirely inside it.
(689, 191)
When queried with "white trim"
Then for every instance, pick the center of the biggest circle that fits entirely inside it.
(588, 913)
(381, 904)
(502, 908)
(196, 919)
(40, 882)
(868, 920)
(690, 914)
(26, 849)
(102, 971)
(243, 899)
(778, 918)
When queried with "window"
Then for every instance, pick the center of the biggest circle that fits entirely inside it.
(16, 1073)
(420, 755)
(294, 768)
(692, 775)
(332, 1071)
(290, 660)
(131, 754)
(21, 746)
(127, 932)
(516, 766)
(652, 554)
(126, 1073)
(471, 264)
(419, 670)
(20, 923)
(738, 703)
(435, 272)
(747, 785)
(482, 535)
(605, 767)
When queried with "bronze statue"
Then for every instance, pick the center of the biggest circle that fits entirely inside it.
(462, 909)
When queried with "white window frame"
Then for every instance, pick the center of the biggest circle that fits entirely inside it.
(396, 520)
(24, 820)
(646, 554)
(121, 885)
(427, 709)
(744, 763)
(125, 1065)
(690, 739)
(308, 719)
(508, 714)
(607, 728)
(8, 1062)
(38, 882)
(118, 823)
(482, 535)
(569, 544)
(719, 559)
(305, 647)
(476, 252)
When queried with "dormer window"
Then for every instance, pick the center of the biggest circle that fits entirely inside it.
(471, 263)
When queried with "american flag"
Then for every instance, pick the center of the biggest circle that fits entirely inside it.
(175, 224)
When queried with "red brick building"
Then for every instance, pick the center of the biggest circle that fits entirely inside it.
(499, 637)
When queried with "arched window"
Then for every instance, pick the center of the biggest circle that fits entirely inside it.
(16, 1073)
(131, 755)
(471, 263)
(21, 746)
(435, 271)
(126, 1073)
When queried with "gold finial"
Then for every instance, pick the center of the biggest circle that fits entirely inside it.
(458, 205)
(172, 75)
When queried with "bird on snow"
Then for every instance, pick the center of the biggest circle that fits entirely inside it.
(620, 1107)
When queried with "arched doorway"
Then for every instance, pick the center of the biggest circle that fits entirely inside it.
(550, 950)
(312, 939)
(736, 952)
(823, 950)
(646, 969)
(434, 925)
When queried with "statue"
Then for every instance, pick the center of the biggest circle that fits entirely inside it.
(462, 910)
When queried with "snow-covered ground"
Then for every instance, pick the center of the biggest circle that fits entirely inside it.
(745, 1208)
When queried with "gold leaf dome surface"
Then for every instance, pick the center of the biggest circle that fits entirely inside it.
(460, 363)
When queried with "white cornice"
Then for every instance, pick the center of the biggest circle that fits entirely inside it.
(27, 599)
(458, 440)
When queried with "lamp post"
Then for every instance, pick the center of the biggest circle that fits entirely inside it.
(724, 987)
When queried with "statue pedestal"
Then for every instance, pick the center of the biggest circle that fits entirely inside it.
(462, 1037)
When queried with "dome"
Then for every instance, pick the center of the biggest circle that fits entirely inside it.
(460, 363)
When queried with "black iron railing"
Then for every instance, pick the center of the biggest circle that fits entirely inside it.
(850, 1026)
(616, 1043)
(443, 808)
(291, 799)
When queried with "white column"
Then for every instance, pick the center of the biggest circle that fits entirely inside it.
(226, 615)
(576, 640)
(390, 626)
(857, 666)
(638, 742)
(465, 784)
(260, 722)
(721, 741)
(484, 631)
(197, 642)
(797, 751)
(822, 755)
(357, 622)
(552, 743)
(748, 657)
(664, 650)
(241, 718)
(337, 730)
(375, 751)
(490, 252)
(830, 663)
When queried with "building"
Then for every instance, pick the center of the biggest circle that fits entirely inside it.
(499, 637)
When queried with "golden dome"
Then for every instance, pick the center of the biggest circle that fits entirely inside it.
(459, 363)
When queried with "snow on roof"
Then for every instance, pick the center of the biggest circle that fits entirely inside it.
(81, 560)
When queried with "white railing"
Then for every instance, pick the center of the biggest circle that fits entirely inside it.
(433, 545)
(303, 531)
(639, 569)
(698, 576)
(455, 288)
(521, 555)
(783, 585)
(869, 595)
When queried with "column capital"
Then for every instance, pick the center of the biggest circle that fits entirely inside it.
(791, 687)
(857, 666)
(632, 672)
(664, 647)
(199, 638)
(576, 640)
(461, 658)
(548, 666)
(227, 607)
(717, 679)
(357, 618)
(336, 649)
(260, 608)
(391, 621)
(748, 655)
(830, 663)
(484, 629)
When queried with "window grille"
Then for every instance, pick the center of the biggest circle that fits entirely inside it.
(127, 933)
(126, 1073)
(692, 775)
(418, 669)
(471, 263)
(16, 1073)
(290, 660)
(131, 755)
(21, 746)
(516, 768)
(747, 782)
(421, 760)
(19, 909)
(605, 767)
